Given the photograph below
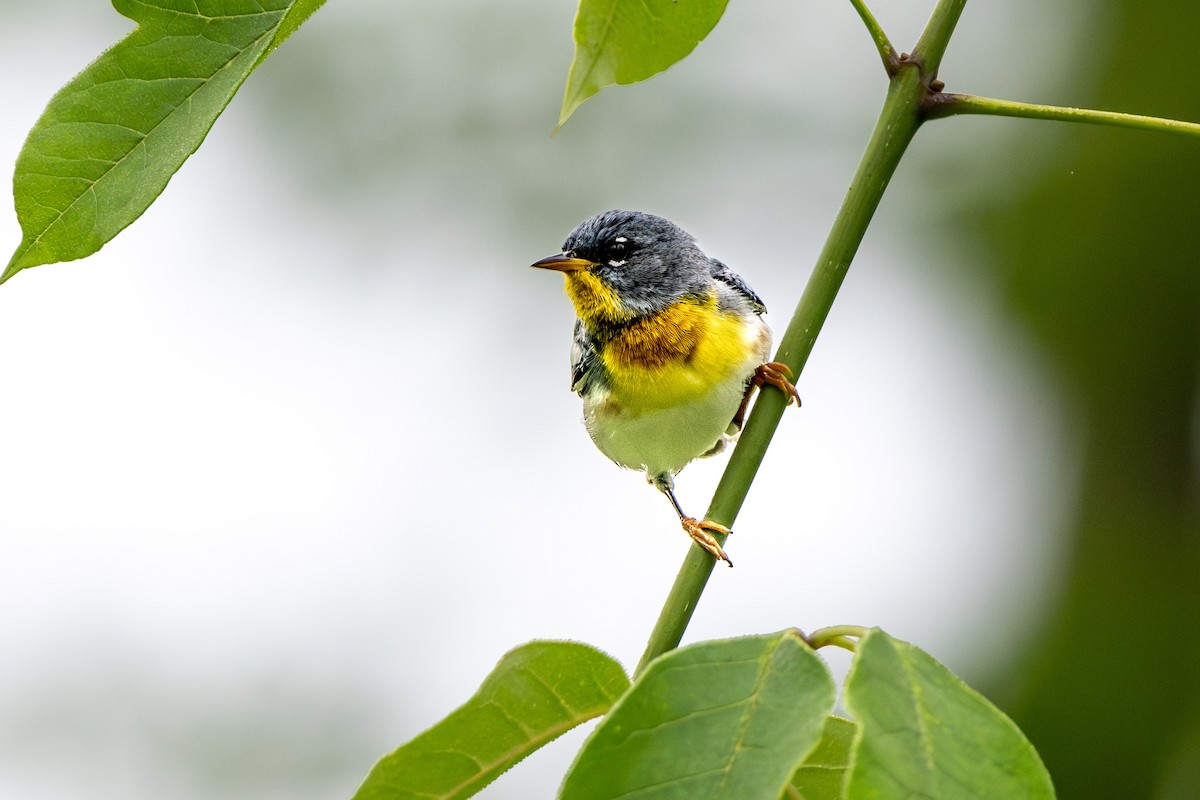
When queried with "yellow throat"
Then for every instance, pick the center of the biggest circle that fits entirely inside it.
(666, 358)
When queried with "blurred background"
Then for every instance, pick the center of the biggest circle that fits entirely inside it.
(292, 462)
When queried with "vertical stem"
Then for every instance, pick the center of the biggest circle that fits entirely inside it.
(897, 124)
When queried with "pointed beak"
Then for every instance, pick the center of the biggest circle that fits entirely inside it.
(564, 262)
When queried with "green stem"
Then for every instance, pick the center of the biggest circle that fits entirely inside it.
(891, 62)
(843, 636)
(936, 36)
(894, 130)
(946, 105)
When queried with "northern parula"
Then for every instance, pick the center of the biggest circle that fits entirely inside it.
(669, 346)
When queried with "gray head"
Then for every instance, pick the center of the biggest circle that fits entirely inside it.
(648, 261)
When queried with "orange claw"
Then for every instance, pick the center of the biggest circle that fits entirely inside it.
(776, 373)
(699, 531)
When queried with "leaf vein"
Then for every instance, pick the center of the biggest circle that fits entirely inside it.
(158, 11)
(753, 701)
(548, 734)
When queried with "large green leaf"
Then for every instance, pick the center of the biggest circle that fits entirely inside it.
(927, 734)
(722, 719)
(111, 139)
(626, 41)
(536, 693)
(822, 776)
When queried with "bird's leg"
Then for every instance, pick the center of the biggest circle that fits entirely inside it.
(774, 373)
(697, 529)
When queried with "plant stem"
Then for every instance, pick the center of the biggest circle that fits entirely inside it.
(936, 36)
(946, 105)
(891, 62)
(897, 124)
(844, 636)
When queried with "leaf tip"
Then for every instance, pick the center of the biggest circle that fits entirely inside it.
(14, 266)
(573, 98)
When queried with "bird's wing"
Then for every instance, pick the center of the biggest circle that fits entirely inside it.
(736, 282)
(583, 357)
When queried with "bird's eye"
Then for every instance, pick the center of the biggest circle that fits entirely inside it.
(617, 250)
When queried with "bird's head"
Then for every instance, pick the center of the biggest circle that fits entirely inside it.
(621, 265)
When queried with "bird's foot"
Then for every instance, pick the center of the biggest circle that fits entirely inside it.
(777, 374)
(699, 531)
(773, 373)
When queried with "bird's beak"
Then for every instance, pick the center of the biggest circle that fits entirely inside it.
(564, 262)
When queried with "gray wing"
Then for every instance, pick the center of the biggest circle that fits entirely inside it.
(583, 358)
(736, 282)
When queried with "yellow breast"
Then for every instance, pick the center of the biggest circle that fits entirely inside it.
(677, 355)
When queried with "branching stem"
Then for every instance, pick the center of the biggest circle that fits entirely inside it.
(914, 94)
(946, 105)
(891, 61)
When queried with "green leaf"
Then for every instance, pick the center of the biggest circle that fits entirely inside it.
(626, 41)
(110, 140)
(723, 719)
(822, 776)
(298, 11)
(536, 693)
(927, 734)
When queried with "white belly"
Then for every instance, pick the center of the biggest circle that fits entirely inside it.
(663, 440)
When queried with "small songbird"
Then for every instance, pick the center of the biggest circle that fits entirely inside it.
(669, 346)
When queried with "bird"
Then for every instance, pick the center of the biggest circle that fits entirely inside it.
(669, 345)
